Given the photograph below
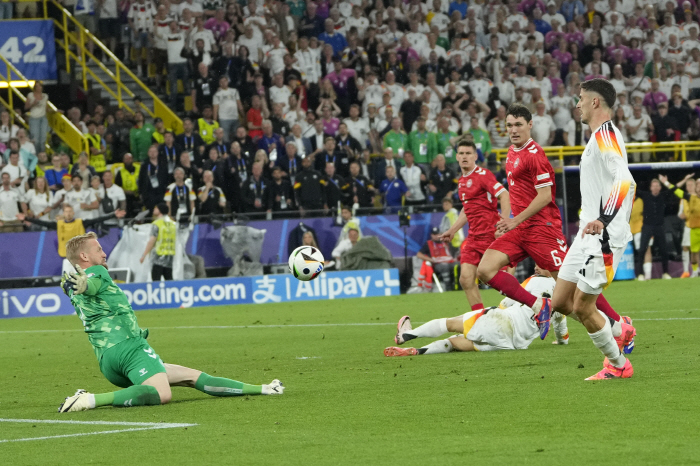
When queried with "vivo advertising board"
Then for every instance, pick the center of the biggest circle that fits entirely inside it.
(36, 302)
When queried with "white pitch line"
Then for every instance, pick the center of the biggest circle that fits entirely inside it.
(353, 324)
(98, 423)
(144, 426)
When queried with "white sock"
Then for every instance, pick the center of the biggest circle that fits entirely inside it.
(440, 346)
(647, 270)
(604, 341)
(686, 260)
(560, 328)
(616, 328)
(434, 328)
(91, 401)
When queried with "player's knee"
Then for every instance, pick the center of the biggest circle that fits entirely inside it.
(467, 281)
(165, 395)
(485, 273)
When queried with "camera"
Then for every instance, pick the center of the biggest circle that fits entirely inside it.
(404, 218)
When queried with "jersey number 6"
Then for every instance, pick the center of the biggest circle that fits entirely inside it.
(557, 260)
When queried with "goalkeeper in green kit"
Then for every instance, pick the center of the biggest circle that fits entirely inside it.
(124, 356)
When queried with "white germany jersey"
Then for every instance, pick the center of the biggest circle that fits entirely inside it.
(607, 186)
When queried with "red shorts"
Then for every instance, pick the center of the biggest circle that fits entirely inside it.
(545, 244)
(473, 249)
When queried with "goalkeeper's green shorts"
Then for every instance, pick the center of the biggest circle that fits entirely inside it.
(130, 362)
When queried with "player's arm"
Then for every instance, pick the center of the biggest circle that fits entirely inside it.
(544, 197)
(504, 199)
(623, 182)
(447, 236)
(676, 189)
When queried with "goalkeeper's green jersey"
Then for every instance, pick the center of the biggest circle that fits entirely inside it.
(105, 311)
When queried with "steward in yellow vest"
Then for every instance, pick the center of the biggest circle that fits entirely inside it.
(69, 227)
(97, 146)
(163, 238)
(126, 176)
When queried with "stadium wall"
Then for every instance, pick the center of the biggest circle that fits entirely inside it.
(38, 302)
(33, 254)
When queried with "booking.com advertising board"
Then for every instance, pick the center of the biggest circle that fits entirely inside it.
(36, 302)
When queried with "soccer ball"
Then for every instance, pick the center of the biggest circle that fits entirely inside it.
(306, 263)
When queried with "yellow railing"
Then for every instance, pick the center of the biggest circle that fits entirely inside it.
(73, 44)
(61, 125)
(679, 149)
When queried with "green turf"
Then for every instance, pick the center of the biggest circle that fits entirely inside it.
(347, 404)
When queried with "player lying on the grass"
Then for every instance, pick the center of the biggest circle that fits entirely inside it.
(607, 193)
(479, 192)
(124, 356)
(536, 229)
(510, 326)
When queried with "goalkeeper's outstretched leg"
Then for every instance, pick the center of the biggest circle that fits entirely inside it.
(156, 390)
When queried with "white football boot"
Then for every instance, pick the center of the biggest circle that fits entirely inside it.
(78, 402)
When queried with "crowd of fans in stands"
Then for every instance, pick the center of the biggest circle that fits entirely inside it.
(308, 104)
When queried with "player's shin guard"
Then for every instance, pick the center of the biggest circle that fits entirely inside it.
(136, 395)
(219, 386)
(440, 346)
(509, 286)
(604, 341)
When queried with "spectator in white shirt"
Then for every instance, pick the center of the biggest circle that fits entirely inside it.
(413, 177)
(9, 200)
(227, 108)
(543, 126)
(345, 245)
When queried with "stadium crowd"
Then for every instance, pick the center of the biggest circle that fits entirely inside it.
(306, 105)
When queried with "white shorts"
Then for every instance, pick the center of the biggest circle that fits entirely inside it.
(638, 240)
(588, 266)
(686, 238)
(504, 329)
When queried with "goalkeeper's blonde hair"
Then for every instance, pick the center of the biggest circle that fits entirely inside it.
(75, 245)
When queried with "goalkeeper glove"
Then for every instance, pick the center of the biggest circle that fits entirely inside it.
(78, 280)
(66, 284)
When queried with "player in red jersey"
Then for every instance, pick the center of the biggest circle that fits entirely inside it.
(479, 192)
(536, 229)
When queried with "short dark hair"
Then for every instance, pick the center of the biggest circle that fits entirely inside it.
(519, 110)
(163, 208)
(603, 88)
(77, 175)
(465, 143)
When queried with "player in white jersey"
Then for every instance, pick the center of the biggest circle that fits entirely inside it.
(509, 326)
(607, 193)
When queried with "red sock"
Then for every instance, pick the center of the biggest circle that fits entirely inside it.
(509, 286)
(478, 307)
(604, 306)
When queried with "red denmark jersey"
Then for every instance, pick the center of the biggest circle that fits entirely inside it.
(528, 169)
(478, 192)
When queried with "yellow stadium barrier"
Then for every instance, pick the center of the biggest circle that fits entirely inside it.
(73, 45)
(679, 149)
(12, 79)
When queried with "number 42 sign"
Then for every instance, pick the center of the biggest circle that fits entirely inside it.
(30, 47)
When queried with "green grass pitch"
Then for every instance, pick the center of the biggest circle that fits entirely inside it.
(345, 403)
